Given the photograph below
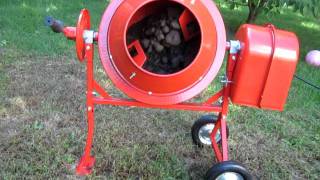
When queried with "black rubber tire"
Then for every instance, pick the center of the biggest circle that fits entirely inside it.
(206, 119)
(227, 166)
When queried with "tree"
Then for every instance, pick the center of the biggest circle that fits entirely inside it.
(256, 7)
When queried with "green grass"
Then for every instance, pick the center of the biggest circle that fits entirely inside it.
(42, 120)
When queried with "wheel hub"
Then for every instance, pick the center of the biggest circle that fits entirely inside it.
(230, 176)
(204, 134)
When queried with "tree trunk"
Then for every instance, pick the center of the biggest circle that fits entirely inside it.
(252, 16)
(255, 10)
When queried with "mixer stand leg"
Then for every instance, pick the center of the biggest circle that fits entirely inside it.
(221, 124)
(222, 155)
(87, 161)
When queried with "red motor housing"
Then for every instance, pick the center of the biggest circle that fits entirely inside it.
(265, 67)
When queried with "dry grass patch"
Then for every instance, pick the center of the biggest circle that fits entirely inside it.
(42, 132)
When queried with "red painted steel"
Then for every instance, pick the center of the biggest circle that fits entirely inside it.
(70, 32)
(100, 90)
(83, 24)
(265, 54)
(182, 106)
(265, 68)
(225, 105)
(87, 161)
(139, 57)
(153, 88)
(215, 98)
(221, 154)
(185, 20)
(214, 144)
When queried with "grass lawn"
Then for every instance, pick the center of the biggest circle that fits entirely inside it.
(42, 103)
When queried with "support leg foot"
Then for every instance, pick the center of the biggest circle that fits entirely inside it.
(85, 166)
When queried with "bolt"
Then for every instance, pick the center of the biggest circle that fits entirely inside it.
(89, 108)
(133, 75)
(150, 93)
(95, 34)
(234, 58)
(88, 47)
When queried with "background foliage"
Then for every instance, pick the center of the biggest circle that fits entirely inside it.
(256, 7)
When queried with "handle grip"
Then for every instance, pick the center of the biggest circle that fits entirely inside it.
(57, 26)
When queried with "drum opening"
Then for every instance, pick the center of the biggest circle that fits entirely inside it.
(163, 37)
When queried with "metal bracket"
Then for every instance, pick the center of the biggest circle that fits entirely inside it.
(95, 36)
(235, 47)
(224, 80)
(88, 36)
(94, 93)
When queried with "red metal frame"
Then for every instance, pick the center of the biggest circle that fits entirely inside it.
(84, 38)
(140, 58)
(87, 161)
(184, 20)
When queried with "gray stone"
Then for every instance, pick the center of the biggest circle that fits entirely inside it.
(164, 60)
(173, 38)
(160, 36)
(175, 24)
(163, 23)
(165, 29)
(145, 43)
(158, 47)
(150, 31)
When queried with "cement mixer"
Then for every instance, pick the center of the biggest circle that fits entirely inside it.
(162, 53)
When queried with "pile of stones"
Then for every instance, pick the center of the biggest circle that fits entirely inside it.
(161, 38)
